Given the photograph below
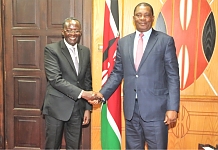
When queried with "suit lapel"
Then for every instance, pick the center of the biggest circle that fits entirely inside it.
(80, 54)
(66, 53)
(130, 50)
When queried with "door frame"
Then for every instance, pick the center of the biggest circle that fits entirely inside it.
(2, 131)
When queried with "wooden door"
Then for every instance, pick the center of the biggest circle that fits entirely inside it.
(28, 26)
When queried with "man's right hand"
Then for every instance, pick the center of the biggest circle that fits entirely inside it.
(89, 95)
(92, 97)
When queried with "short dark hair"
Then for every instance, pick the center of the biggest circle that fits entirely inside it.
(144, 4)
(70, 18)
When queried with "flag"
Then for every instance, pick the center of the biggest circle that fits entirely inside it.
(111, 111)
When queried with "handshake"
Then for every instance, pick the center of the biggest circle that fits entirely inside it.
(93, 97)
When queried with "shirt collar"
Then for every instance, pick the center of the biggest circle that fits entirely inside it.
(70, 46)
(146, 34)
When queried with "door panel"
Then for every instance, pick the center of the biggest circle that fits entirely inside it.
(29, 26)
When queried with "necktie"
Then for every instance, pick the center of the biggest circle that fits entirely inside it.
(75, 60)
(139, 51)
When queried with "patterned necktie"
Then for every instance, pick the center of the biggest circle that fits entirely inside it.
(139, 51)
(75, 60)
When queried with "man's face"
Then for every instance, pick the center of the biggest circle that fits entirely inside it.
(72, 32)
(143, 18)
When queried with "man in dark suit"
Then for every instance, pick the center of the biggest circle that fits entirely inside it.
(151, 86)
(68, 72)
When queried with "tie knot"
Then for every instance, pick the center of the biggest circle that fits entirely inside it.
(141, 35)
(73, 50)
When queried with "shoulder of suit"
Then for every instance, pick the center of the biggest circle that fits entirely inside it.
(160, 33)
(55, 44)
(82, 47)
(128, 36)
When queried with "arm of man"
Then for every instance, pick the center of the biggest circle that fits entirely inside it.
(115, 77)
(172, 69)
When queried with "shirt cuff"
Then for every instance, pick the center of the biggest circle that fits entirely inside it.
(103, 100)
(80, 95)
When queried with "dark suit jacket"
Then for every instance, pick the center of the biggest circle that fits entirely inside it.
(156, 82)
(64, 86)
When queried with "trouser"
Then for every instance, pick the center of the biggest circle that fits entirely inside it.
(71, 129)
(140, 132)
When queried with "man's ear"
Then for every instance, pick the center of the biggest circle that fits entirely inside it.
(62, 34)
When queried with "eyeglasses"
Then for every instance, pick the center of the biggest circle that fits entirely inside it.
(72, 31)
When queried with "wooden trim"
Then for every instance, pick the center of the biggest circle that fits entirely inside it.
(1, 77)
(87, 37)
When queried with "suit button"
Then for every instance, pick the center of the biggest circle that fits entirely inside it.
(136, 76)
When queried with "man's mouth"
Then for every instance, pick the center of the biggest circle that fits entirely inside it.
(142, 24)
(72, 38)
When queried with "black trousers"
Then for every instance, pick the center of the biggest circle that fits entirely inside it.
(71, 129)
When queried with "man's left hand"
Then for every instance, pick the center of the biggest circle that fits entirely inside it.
(87, 117)
(170, 117)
